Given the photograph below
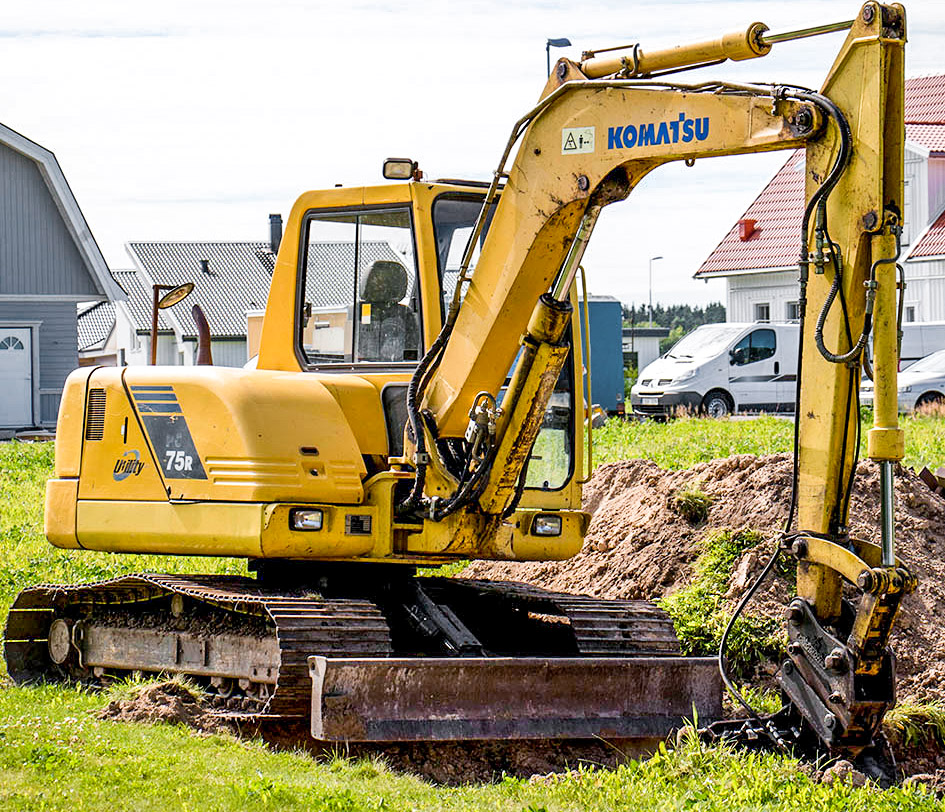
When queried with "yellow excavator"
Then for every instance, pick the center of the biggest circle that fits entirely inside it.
(419, 398)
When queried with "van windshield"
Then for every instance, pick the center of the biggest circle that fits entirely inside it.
(931, 363)
(704, 342)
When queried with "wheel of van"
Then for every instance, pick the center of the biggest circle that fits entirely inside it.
(930, 399)
(716, 404)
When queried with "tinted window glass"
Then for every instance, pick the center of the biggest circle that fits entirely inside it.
(756, 346)
(454, 217)
(359, 298)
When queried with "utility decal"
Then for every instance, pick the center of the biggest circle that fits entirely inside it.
(128, 464)
(577, 140)
(167, 429)
(682, 129)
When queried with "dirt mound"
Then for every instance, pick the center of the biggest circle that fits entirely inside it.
(638, 546)
(168, 702)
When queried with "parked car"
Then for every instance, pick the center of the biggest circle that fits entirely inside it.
(719, 369)
(923, 383)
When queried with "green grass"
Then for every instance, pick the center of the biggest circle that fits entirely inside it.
(699, 615)
(683, 442)
(56, 755)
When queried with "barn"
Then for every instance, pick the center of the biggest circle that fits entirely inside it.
(49, 261)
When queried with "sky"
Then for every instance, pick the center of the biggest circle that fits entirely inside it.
(195, 119)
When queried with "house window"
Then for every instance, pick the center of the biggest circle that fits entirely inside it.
(793, 312)
(910, 312)
(11, 343)
(763, 311)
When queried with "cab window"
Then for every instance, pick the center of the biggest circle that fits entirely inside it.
(756, 346)
(359, 297)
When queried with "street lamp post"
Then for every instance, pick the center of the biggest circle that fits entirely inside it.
(174, 294)
(558, 42)
(652, 260)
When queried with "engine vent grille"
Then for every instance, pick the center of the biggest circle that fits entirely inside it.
(95, 415)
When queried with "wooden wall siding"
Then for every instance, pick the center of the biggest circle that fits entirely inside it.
(936, 173)
(37, 253)
(776, 289)
(228, 353)
(925, 289)
(916, 202)
(58, 354)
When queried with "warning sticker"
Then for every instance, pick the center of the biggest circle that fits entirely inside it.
(575, 140)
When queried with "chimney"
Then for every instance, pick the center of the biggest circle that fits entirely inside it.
(205, 266)
(275, 232)
(746, 228)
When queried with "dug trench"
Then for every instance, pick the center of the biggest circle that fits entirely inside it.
(695, 540)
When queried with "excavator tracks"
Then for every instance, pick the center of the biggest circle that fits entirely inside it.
(265, 652)
(249, 645)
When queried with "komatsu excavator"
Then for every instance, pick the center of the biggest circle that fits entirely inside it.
(418, 399)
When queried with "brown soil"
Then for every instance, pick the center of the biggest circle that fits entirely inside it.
(638, 547)
(168, 702)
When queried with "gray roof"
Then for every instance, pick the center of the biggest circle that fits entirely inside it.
(139, 302)
(237, 280)
(95, 323)
(68, 207)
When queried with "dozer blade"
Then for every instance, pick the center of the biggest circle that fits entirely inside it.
(457, 698)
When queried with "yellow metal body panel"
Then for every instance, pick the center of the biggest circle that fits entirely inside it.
(200, 528)
(59, 519)
(251, 430)
(867, 84)
(71, 423)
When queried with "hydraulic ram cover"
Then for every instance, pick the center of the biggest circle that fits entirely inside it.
(510, 698)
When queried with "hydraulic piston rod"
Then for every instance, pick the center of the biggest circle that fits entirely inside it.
(752, 42)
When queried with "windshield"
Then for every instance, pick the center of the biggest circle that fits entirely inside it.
(454, 216)
(931, 363)
(704, 342)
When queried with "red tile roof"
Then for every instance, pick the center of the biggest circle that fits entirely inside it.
(930, 136)
(775, 242)
(925, 100)
(932, 243)
(777, 210)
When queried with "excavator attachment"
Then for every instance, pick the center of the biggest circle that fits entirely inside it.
(449, 698)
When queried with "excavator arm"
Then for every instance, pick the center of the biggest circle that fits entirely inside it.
(600, 127)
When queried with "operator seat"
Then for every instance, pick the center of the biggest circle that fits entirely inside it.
(388, 332)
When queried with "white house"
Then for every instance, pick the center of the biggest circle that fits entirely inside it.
(758, 256)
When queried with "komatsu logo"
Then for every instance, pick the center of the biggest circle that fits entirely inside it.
(129, 464)
(682, 129)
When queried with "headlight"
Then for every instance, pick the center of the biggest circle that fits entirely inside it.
(306, 519)
(685, 376)
(904, 389)
(546, 525)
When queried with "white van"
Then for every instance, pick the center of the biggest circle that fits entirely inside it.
(920, 339)
(719, 369)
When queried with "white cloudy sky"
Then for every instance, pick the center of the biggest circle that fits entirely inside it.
(194, 119)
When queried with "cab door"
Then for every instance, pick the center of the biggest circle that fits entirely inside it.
(752, 364)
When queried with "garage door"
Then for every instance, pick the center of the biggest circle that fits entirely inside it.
(16, 378)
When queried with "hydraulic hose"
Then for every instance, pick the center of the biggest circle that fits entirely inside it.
(816, 205)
